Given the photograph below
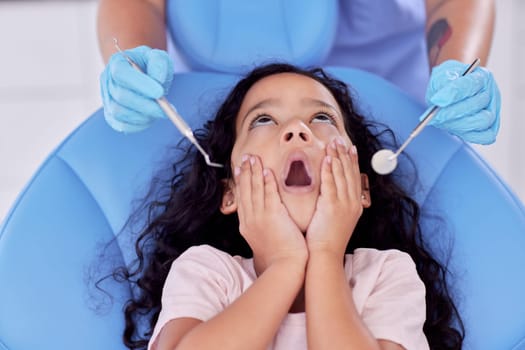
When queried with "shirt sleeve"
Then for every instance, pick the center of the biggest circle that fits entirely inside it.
(396, 307)
(197, 286)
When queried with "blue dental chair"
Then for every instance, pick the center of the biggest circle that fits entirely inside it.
(82, 195)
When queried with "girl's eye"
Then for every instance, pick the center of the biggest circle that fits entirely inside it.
(323, 118)
(261, 120)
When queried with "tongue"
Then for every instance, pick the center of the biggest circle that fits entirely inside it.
(297, 176)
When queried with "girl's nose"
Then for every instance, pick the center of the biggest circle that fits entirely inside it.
(296, 131)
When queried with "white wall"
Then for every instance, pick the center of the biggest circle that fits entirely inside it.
(506, 62)
(49, 68)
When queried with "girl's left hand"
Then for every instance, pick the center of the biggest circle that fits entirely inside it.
(339, 205)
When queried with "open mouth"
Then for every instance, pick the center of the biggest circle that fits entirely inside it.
(298, 175)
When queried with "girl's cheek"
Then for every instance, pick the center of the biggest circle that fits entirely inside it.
(327, 134)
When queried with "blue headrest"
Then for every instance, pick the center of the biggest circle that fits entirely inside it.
(233, 36)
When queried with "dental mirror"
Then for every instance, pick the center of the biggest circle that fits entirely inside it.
(385, 161)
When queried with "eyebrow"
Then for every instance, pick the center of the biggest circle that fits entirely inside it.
(276, 102)
(319, 103)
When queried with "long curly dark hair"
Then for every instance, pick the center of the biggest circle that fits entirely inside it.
(188, 214)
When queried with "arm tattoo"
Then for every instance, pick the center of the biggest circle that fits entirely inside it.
(437, 36)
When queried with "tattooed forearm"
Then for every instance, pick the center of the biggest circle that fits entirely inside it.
(437, 36)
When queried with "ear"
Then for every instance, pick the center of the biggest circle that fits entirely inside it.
(228, 205)
(366, 200)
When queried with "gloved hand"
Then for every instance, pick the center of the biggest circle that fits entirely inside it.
(128, 95)
(470, 104)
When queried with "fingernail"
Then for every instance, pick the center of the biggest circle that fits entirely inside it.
(354, 149)
(340, 141)
(329, 159)
(252, 160)
(244, 158)
(237, 171)
(265, 172)
(332, 144)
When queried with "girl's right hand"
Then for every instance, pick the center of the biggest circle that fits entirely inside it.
(264, 221)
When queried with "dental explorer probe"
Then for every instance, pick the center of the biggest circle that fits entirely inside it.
(385, 161)
(172, 114)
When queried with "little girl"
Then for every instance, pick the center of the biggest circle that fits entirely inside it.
(296, 243)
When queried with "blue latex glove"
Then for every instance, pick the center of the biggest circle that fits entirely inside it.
(128, 95)
(470, 104)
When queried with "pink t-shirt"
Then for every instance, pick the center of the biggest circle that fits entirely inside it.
(387, 292)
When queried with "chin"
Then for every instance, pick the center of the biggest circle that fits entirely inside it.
(302, 215)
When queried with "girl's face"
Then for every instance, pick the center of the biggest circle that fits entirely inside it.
(287, 120)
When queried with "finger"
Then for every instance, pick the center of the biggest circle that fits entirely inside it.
(328, 187)
(272, 199)
(121, 117)
(356, 172)
(237, 189)
(128, 77)
(495, 103)
(331, 148)
(122, 126)
(159, 67)
(128, 120)
(342, 154)
(244, 181)
(460, 88)
(341, 187)
(482, 137)
(346, 183)
(462, 108)
(442, 74)
(346, 162)
(111, 109)
(257, 184)
(104, 89)
(132, 100)
(138, 55)
(479, 121)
